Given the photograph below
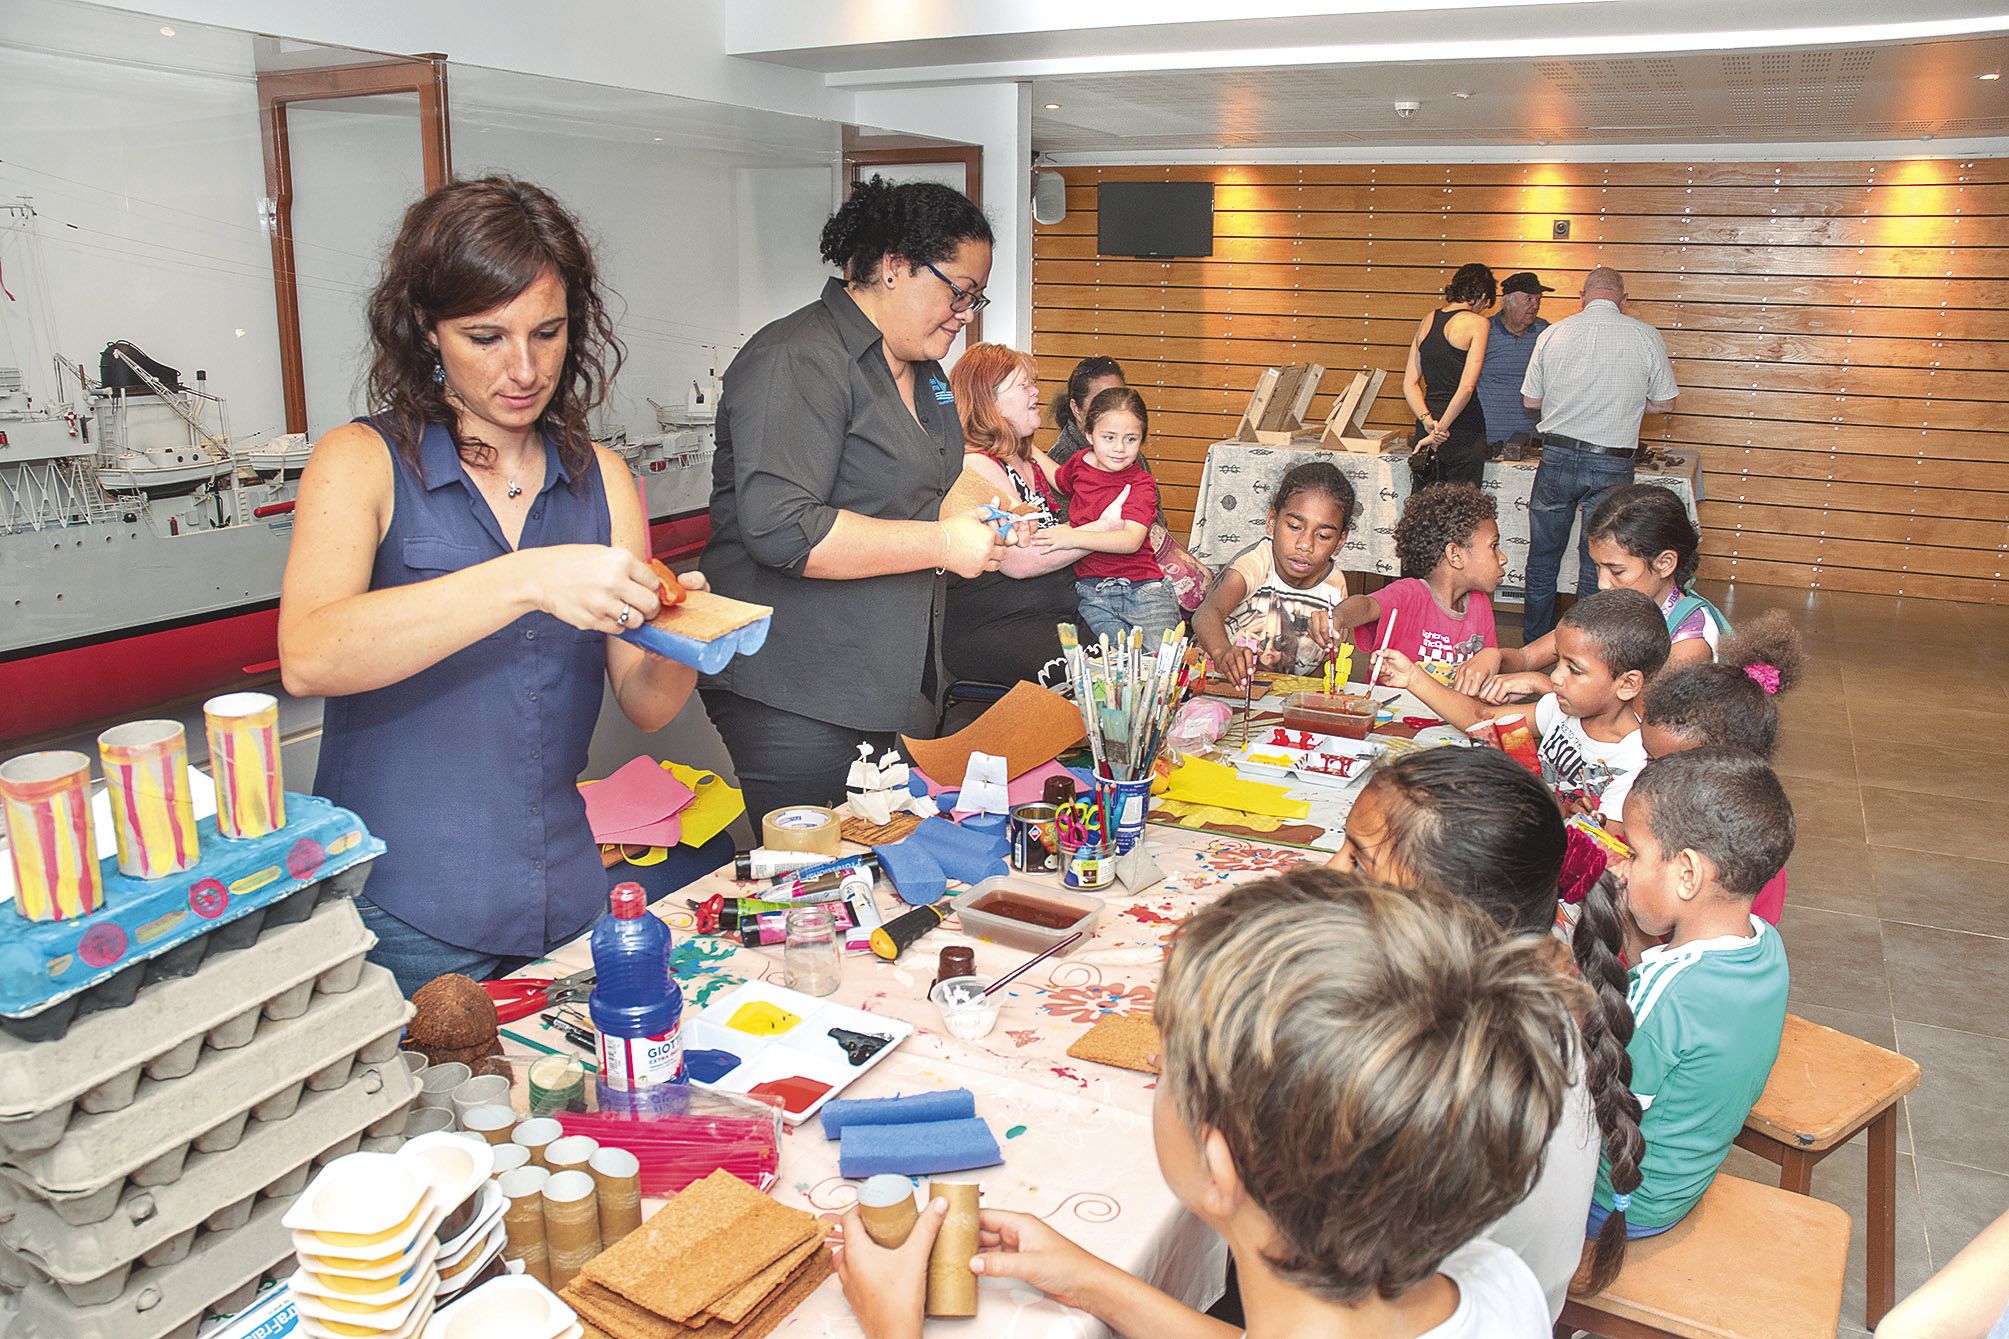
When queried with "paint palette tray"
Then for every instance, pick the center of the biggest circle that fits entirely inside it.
(149, 1141)
(98, 1066)
(1307, 758)
(217, 1192)
(788, 1056)
(151, 929)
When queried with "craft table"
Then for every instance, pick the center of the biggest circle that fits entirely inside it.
(1076, 1136)
(1239, 478)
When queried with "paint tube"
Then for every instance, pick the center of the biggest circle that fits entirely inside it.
(761, 863)
(836, 870)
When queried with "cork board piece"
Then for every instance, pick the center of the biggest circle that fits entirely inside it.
(1126, 1041)
(705, 617)
(709, 1241)
(1026, 727)
(610, 1314)
(896, 828)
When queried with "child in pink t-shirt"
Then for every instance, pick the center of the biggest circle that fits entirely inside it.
(1448, 541)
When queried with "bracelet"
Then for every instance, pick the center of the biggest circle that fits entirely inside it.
(944, 568)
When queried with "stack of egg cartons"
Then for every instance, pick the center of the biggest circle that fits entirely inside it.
(151, 1139)
(365, 1233)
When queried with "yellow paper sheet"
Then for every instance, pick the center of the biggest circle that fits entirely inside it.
(1199, 781)
(712, 812)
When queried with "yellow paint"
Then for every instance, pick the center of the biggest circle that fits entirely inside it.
(60, 964)
(159, 926)
(348, 841)
(251, 883)
(390, 1233)
(762, 1019)
(342, 1283)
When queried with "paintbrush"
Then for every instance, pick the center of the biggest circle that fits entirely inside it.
(1374, 666)
(1026, 966)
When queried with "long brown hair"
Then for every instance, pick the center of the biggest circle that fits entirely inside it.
(468, 247)
(974, 382)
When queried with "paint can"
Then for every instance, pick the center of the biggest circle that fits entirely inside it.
(1035, 840)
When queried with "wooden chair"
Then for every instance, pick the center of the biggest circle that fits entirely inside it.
(1748, 1262)
(1825, 1088)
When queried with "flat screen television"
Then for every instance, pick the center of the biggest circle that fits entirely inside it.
(1154, 218)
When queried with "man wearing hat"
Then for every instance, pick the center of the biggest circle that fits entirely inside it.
(1508, 348)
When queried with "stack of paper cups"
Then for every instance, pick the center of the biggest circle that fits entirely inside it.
(244, 759)
(153, 808)
(571, 1224)
(47, 797)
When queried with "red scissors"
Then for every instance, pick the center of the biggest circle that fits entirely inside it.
(521, 996)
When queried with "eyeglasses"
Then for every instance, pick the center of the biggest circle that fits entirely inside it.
(965, 299)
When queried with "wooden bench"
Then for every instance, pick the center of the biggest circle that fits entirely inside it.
(1825, 1088)
(1748, 1262)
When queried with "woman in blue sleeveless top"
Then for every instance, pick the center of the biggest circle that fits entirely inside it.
(459, 561)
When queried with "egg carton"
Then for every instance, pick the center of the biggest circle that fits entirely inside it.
(221, 1274)
(148, 1142)
(97, 1068)
(124, 986)
(216, 1192)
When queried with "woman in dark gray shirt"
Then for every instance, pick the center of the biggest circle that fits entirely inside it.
(837, 440)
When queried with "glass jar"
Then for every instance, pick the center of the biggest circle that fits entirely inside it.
(809, 957)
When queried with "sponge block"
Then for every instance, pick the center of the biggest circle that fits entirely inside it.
(965, 855)
(913, 1109)
(918, 1150)
(914, 872)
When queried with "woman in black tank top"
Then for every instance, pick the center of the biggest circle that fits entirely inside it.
(1442, 382)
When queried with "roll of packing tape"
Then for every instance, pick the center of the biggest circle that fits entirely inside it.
(801, 827)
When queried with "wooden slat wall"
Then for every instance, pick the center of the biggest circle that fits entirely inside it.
(1835, 328)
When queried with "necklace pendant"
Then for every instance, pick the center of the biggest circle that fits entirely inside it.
(515, 489)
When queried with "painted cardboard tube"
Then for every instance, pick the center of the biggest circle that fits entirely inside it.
(886, 1206)
(952, 1288)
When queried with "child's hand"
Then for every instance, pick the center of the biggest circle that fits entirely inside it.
(1505, 688)
(1472, 675)
(1019, 1246)
(1238, 666)
(887, 1289)
(1397, 670)
(1054, 537)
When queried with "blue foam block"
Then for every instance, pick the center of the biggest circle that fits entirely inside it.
(991, 825)
(918, 1150)
(914, 873)
(965, 855)
(913, 1109)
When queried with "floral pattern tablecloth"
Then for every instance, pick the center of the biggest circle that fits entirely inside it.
(1076, 1136)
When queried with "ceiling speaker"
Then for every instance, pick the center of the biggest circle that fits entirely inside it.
(1049, 197)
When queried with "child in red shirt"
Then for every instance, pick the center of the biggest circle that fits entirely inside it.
(1120, 584)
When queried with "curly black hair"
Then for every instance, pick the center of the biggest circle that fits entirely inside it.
(1435, 517)
(922, 222)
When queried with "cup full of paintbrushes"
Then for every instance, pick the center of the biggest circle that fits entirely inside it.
(1127, 695)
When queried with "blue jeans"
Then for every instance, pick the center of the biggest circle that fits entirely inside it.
(1112, 606)
(415, 957)
(1568, 483)
(1633, 1231)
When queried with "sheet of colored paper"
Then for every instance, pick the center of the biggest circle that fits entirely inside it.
(715, 805)
(638, 796)
(1026, 727)
(1199, 781)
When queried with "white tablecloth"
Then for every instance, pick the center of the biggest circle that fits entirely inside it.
(1239, 478)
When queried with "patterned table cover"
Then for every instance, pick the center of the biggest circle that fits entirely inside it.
(1076, 1136)
(1235, 490)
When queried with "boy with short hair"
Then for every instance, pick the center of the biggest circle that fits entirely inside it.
(1448, 541)
(1708, 828)
(1350, 1188)
(1608, 646)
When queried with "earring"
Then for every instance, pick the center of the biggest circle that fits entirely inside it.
(438, 372)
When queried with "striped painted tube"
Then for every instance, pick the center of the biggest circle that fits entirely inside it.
(47, 797)
(244, 760)
(153, 807)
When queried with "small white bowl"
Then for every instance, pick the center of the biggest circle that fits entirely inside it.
(363, 1200)
(965, 1012)
(513, 1307)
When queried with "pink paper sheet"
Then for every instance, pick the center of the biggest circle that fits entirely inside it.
(637, 805)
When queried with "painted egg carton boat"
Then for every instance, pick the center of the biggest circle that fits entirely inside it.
(52, 972)
(149, 1141)
(97, 1068)
(219, 1275)
(216, 1192)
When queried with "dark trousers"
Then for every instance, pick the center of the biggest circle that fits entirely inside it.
(1569, 483)
(1459, 459)
(781, 758)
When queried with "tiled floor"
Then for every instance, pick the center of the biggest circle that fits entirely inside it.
(1895, 751)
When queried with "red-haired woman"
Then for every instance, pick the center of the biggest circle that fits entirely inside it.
(460, 562)
(1003, 626)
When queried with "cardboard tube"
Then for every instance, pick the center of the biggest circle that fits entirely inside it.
(523, 1220)
(571, 1224)
(535, 1136)
(952, 1288)
(886, 1206)
(617, 1179)
(571, 1154)
(494, 1122)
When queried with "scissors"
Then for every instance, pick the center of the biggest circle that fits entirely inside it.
(521, 996)
(997, 516)
(1081, 824)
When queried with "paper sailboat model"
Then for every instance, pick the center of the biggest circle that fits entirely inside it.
(877, 791)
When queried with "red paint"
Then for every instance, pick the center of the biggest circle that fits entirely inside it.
(102, 945)
(795, 1093)
(305, 858)
(121, 676)
(207, 898)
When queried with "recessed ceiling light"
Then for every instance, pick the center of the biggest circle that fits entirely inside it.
(657, 139)
(1989, 78)
(1053, 106)
(1461, 94)
(166, 31)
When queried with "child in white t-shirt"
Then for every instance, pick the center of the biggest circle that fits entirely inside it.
(1272, 608)
(1276, 1009)
(1608, 646)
